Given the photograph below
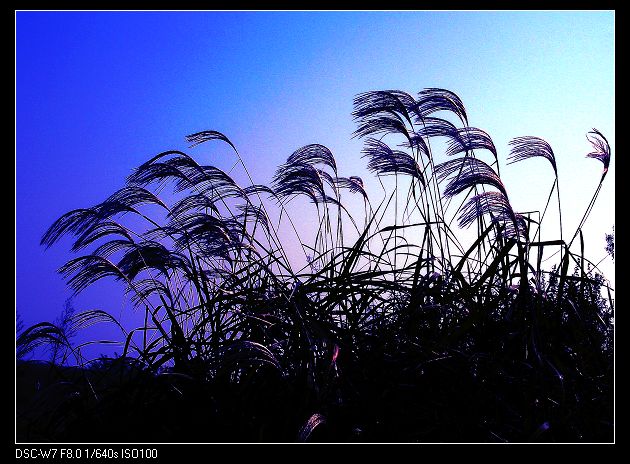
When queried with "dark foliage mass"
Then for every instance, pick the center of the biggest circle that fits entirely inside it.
(393, 330)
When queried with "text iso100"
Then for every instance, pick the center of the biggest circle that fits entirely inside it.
(139, 453)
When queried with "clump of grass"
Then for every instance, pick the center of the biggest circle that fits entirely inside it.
(400, 333)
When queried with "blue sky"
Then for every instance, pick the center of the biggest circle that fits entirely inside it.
(98, 93)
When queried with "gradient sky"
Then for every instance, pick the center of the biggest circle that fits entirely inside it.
(98, 93)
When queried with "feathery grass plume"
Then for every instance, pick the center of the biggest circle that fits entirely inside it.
(100, 230)
(219, 182)
(171, 165)
(431, 100)
(431, 127)
(88, 318)
(530, 147)
(131, 196)
(250, 213)
(205, 136)
(327, 179)
(353, 183)
(43, 333)
(76, 222)
(382, 125)
(356, 180)
(111, 247)
(383, 112)
(468, 139)
(182, 169)
(84, 271)
(468, 172)
(417, 142)
(109, 209)
(197, 177)
(437, 127)
(497, 206)
(143, 289)
(257, 189)
(601, 146)
(392, 102)
(185, 159)
(160, 173)
(299, 178)
(313, 154)
(191, 203)
(92, 223)
(150, 255)
(206, 234)
(385, 161)
(601, 153)
(516, 226)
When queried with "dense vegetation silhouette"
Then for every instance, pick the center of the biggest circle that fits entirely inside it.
(393, 330)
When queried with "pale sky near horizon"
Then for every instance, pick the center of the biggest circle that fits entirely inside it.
(98, 93)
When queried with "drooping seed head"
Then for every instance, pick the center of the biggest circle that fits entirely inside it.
(601, 146)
